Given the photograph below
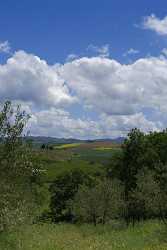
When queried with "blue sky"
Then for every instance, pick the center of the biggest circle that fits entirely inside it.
(80, 62)
(53, 29)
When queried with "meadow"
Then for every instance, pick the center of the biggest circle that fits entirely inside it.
(150, 235)
(88, 157)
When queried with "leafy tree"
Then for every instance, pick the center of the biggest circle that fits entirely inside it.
(100, 203)
(143, 201)
(142, 154)
(148, 192)
(151, 195)
(63, 190)
(133, 150)
(17, 172)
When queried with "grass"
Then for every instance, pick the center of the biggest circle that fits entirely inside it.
(55, 169)
(147, 236)
(96, 155)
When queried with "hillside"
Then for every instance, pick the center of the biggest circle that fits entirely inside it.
(39, 140)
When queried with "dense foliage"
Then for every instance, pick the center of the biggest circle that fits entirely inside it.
(99, 203)
(63, 190)
(17, 171)
(134, 187)
(142, 169)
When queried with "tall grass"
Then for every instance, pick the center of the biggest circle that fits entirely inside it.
(147, 236)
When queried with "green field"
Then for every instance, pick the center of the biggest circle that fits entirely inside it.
(51, 171)
(145, 236)
(71, 156)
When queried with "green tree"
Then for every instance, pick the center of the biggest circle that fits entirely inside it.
(149, 193)
(143, 201)
(100, 203)
(63, 190)
(17, 172)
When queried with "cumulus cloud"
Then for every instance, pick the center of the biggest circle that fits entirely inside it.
(27, 78)
(156, 24)
(117, 93)
(113, 88)
(5, 47)
(121, 124)
(60, 123)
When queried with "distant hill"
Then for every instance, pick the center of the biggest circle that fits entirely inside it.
(39, 140)
(118, 140)
(51, 140)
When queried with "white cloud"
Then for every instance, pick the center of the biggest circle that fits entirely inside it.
(154, 23)
(131, 51)
(118, 94)
(5, 47)
(27, 78)
(113, 88)
(59, 123)
(103, 51)
(121, 124)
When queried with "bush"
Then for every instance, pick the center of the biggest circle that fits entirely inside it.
(100, 203)
(63, 190)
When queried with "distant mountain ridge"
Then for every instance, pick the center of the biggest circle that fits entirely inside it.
(53, 140)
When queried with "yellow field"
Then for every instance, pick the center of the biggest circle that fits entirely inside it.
(66, 146)
(103, 148)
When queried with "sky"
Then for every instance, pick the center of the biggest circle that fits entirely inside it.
(85, 69)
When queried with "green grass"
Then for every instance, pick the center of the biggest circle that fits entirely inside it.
(56, 161)
(55, 169)
(147, 236)
(100, 156)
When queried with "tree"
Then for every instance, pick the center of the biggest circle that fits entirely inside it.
(100, 203)
(143, 201)
(43, 146)
(142, 153)
(17, 172)
(63, 190)
(139, 154)
(151, 195)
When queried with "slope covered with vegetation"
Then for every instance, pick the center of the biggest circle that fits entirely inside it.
(96, 195)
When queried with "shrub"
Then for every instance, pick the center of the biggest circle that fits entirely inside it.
(100, 203)
(62, 192)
